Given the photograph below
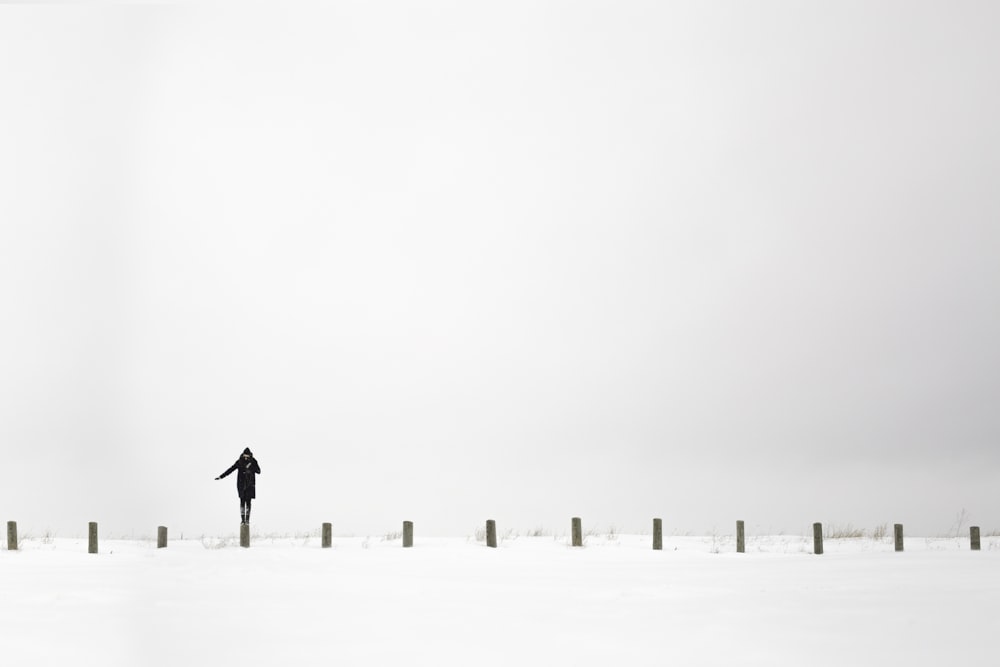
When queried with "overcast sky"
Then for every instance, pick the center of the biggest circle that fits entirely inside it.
(447, 262)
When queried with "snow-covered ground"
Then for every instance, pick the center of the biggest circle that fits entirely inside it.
(533, 601)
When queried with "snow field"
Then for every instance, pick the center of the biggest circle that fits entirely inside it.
(534, 600)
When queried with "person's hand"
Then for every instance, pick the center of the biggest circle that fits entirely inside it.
(218, 478)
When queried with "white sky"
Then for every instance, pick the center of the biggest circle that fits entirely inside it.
(516, 260)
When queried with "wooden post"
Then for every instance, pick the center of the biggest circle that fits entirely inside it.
(491, 533)
(577, 532)
(407, 534)
(897, 531)
(161, 537)
(657, 534)
(817, 538)
(92, 537)
(327, 535)
(741, 541)
(245, 535)
(12, 536)
(973, 538)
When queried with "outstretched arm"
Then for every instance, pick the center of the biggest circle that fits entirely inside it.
(229, 470)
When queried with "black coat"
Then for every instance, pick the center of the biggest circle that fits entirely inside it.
(246, 478)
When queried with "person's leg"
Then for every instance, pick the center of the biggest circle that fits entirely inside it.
(248, 510)
(243, 512)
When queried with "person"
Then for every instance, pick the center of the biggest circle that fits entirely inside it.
(246, 482)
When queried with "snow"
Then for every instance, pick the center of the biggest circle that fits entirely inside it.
(534, 600)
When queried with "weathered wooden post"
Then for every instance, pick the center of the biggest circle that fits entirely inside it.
(657, 534)
(327, 535)
(245, 535)
(12, 536)
(92, 537)
(491, 533)
(161, 537)
(973, 538)
(577, 532)
(897, 531)
(407, 534)
(741, 542)
(817, 538)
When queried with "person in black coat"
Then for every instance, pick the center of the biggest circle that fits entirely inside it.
(246, 482)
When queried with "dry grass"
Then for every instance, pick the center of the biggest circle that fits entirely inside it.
(847, 531)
